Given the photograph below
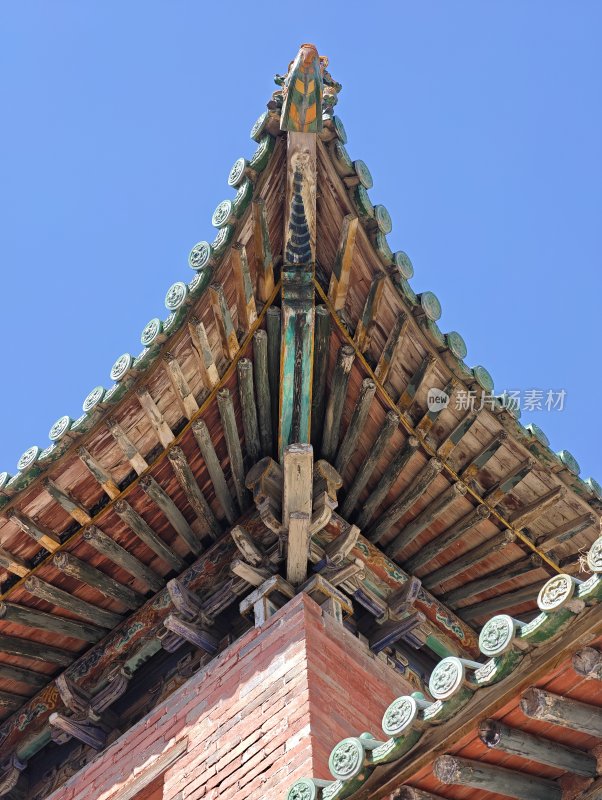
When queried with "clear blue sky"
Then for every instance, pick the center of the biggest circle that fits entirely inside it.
(480, 121)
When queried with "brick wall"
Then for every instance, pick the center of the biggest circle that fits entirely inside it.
(266, 711)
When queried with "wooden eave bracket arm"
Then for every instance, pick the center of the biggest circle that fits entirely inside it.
(266, 481)
(89, 720)
(10, 772)
(188, 622)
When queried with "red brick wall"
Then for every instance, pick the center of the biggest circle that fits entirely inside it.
(265, 712)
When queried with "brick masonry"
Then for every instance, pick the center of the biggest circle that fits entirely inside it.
(265, 712)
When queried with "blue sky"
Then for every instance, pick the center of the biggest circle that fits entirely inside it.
(480, 121)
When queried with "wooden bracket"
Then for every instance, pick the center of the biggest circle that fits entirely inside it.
(188, 623)
(267, 599)
(330, 599)
(89, 721)
(294, 501)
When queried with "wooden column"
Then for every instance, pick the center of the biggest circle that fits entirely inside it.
(455, 771)
(547, 707)
(297, 337)
(498, 736)
(297, 508)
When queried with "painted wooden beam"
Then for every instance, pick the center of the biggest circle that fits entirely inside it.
(391, 348)
(497, 736)
(297, 339)
(497, 542)
(223, 321)
(336, 402)
(99, 473)
(43, 535)
(392, 472)
(245, 299)
(146, 534)
(232, 437)
(452, 770)
(321, 353)
(369, 314)
(192, 490)
(405, 502)
(122, 558)
(182, 390)
(25, 648)
(263, 252)
(447, 538)
(562, 533)
(68, 503)
(262, 389)
(68, 602)
(75, 568)
(155, 417)
(250, 424)
(428, 515)
(40, 620)
(368, 466)
(341, 268)
(547, 707)
(130, 451)
(356, 424)
(408, 396)
(588, 663)
(176, 519)
(214, 468)
(207, 366)
(273, 327)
